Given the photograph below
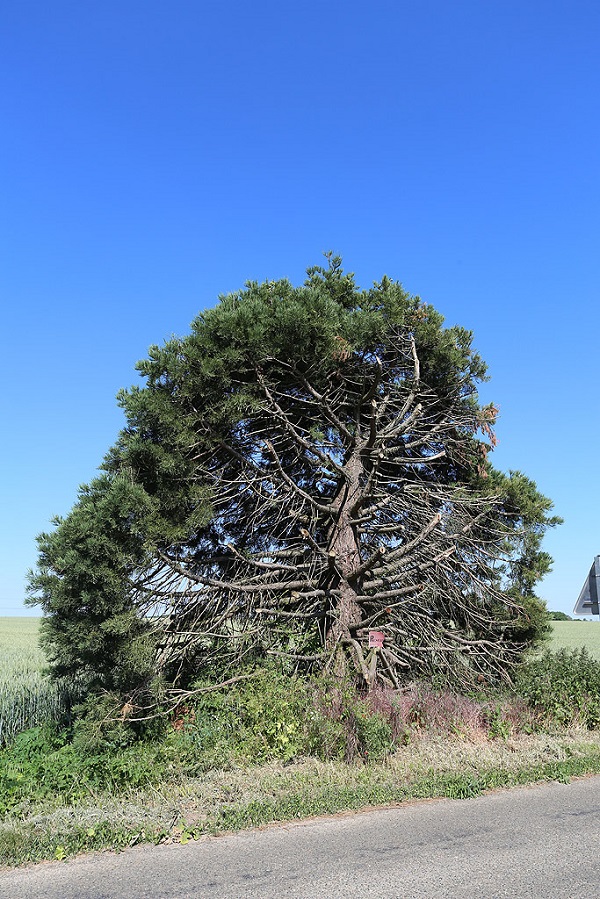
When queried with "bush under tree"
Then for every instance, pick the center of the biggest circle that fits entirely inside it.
(309, 464)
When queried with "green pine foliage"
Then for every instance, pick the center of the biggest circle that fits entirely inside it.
(91, 630)
(241, 436)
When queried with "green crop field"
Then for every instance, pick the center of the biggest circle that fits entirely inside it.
(27, 696)
(19, 650)
(574, 634)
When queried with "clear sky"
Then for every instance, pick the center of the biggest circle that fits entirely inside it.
(155, 154)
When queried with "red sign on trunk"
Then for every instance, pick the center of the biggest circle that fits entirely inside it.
(376, 639)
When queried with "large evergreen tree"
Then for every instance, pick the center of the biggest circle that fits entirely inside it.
(308, 464)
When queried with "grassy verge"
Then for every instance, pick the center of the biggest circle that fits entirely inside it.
(222, 801)
(277, 748)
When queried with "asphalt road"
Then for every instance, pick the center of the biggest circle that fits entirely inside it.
(541, 842)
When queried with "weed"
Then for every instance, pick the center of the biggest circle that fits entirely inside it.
(563, 687)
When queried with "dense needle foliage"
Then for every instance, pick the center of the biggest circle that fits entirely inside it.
(308, 464)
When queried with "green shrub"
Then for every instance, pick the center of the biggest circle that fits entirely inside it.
(563, 687)
(278, 716)
(344, 724)
(38, 767)
(101, 726)
(257, 719)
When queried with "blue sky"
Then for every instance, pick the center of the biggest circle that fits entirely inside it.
(157, 154)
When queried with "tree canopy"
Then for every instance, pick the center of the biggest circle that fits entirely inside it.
(309, 464)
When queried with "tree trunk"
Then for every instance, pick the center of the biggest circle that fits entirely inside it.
(345, 552)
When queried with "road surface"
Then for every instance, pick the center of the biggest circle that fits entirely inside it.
(541, 841)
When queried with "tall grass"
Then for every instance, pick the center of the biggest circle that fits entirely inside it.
(27, 696)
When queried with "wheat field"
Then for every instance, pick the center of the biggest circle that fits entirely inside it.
(574, 634)
(27, 696)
